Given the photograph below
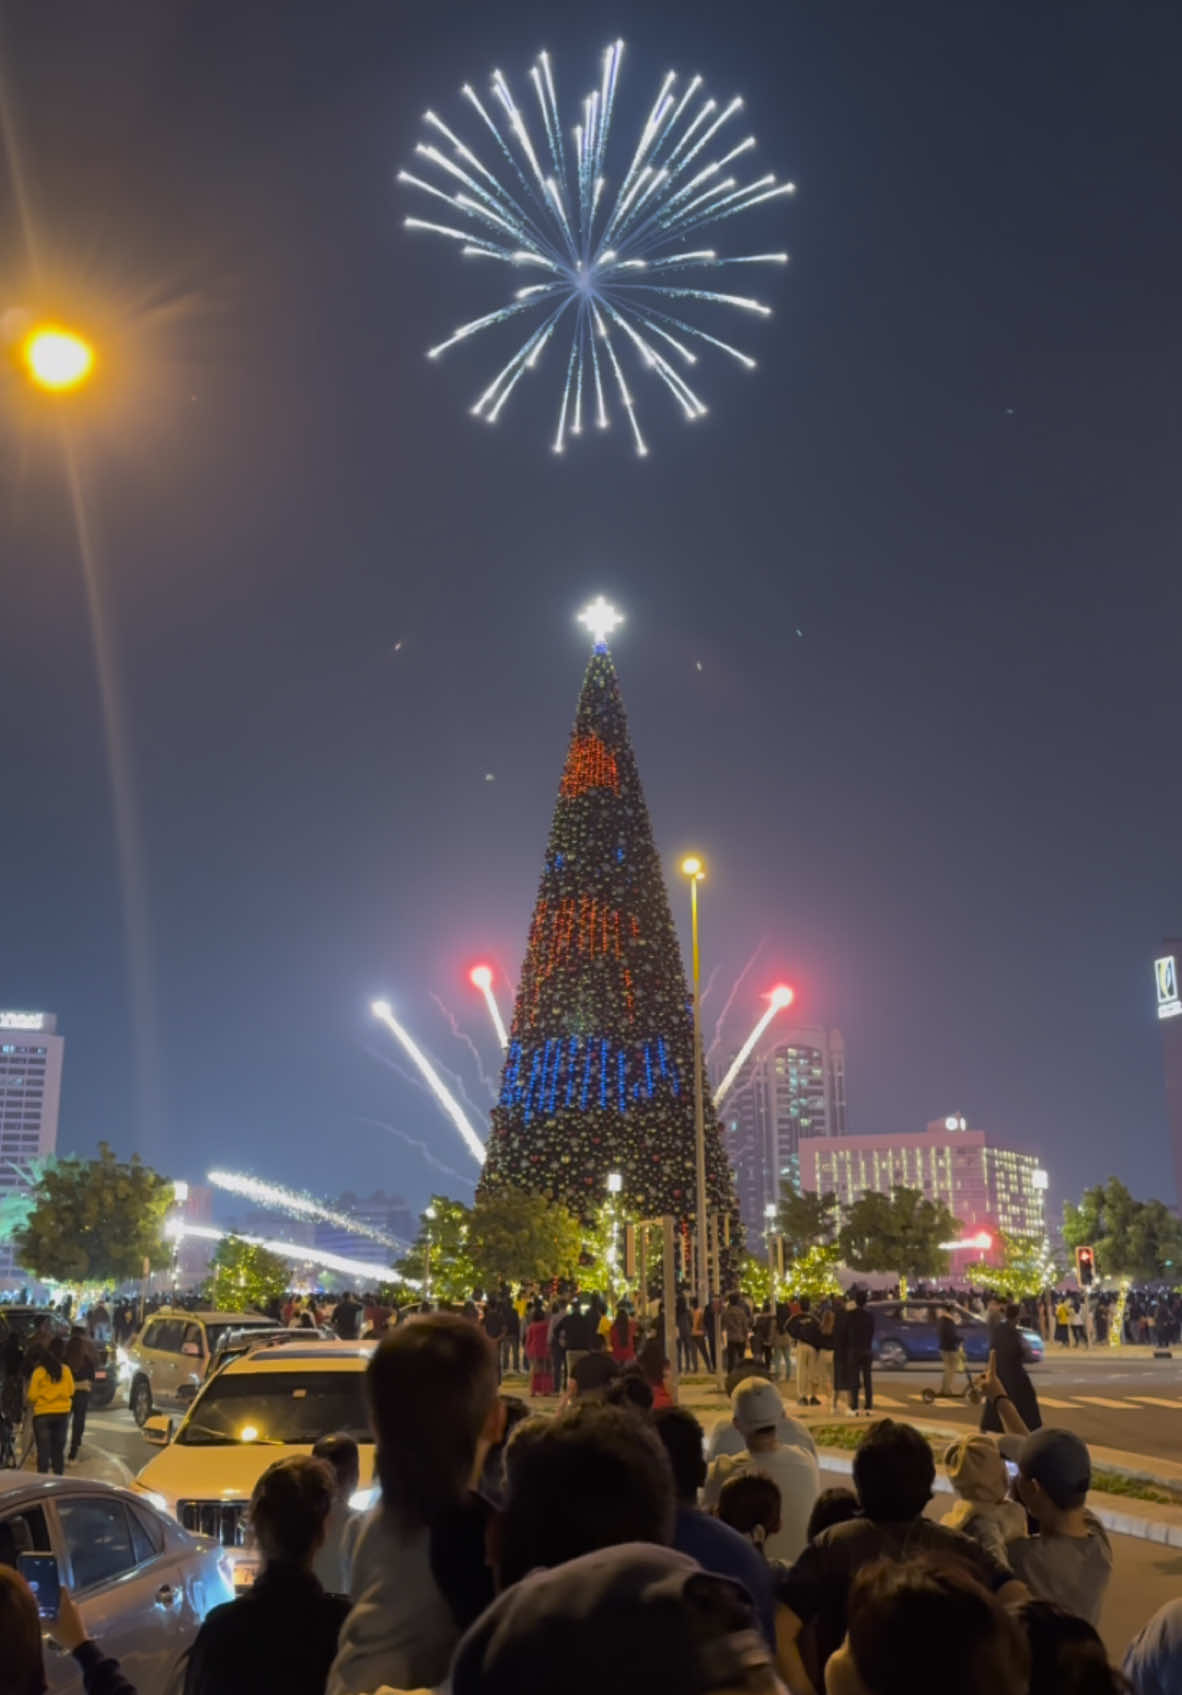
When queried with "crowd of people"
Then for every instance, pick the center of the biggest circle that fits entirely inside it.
(608, 1543)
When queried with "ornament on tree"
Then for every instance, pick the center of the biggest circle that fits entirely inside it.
(598, 1073)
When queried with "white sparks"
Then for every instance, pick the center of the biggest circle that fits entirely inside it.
(610, 232)
(383, 1012)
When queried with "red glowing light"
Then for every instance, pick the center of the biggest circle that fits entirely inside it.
(782, 995)
(480, 977)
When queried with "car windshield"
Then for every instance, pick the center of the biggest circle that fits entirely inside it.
(278, 1406)
(217, 1332)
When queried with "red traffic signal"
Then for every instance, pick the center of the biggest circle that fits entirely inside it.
(1085, 1266)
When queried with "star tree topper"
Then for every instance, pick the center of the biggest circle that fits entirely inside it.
(600, 619)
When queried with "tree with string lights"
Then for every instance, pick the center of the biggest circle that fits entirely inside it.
(599, 1070)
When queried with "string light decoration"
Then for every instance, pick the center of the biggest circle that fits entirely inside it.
(598, 1074)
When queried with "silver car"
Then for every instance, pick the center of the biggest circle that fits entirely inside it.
(143, 1585)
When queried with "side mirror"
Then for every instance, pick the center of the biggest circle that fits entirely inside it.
(158, 1431)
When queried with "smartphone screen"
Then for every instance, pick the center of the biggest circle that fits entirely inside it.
(1012, 1470)
(41, 1574)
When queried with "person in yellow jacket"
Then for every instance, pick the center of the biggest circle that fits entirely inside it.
(51, 1395)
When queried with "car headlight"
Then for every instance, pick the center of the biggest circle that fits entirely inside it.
(121, 1355)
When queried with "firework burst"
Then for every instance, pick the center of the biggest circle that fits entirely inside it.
(610, 255)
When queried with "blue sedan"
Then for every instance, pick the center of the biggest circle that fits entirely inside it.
(909, 1330)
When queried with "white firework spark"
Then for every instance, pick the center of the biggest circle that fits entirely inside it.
(609, 254)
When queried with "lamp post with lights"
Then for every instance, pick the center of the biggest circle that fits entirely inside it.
(693, 868)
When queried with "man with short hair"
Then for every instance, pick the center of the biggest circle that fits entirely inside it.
(756, 1409)
(592, 1477)
(893, 1474)
(714, 1545)
(806, 1333)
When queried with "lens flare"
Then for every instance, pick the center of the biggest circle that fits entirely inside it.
(56, 359)
(780, 997)
(602, 242)
(384, 1013)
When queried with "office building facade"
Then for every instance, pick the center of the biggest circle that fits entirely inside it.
(988, 1188)
(791, 1089)
(31, 1054)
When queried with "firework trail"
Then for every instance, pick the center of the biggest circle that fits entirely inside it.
(714, 970)
(463, 1036)
(279, 1199)
(419, 1147)
(730, 999)
(384, 1013)
(781, 996)
(422, 1082)
(602, 244)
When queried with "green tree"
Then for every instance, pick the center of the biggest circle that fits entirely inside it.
(1024, 1268)
(1139, 1239)
(805, 1221)
(243, 1274)
(441, 1246)
(813, 1273)
(899, 1232)
(514, 1237)
(95, 1221)
(18, 1204)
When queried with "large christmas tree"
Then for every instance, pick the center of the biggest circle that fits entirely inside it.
(599, 1070)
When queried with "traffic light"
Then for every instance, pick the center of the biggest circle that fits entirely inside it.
(1085, 1266)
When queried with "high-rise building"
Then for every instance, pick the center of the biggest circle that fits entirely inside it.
(1167, 982)
(987, 1188)
(388, 1214)
(791, 1089)
(31, 1054)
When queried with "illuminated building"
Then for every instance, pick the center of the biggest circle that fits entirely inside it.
(792, 1089)
(984, 1186)
(1166, 971)
(31, 1055)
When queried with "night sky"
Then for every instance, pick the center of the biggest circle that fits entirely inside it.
(950, 808)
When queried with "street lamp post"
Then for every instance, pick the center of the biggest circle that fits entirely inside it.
(429, 1217)
(695, 871)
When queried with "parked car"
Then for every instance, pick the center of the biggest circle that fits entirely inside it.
(24, 1320)
(143, 1585)
(235, 1343)
(273, 1398)
(164, 1365)
(909, 1330)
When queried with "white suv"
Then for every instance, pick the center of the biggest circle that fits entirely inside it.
(271, 1402)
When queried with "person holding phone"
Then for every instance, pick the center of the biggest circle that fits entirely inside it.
(51, 1398)
(20, 1632)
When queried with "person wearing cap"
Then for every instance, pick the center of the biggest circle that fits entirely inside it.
(977, 1472)
(756, 1409)
(1070, 1560)
(631, 1619)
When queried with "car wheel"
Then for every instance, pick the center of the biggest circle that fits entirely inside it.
(140, 1401)
(892, 1356)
